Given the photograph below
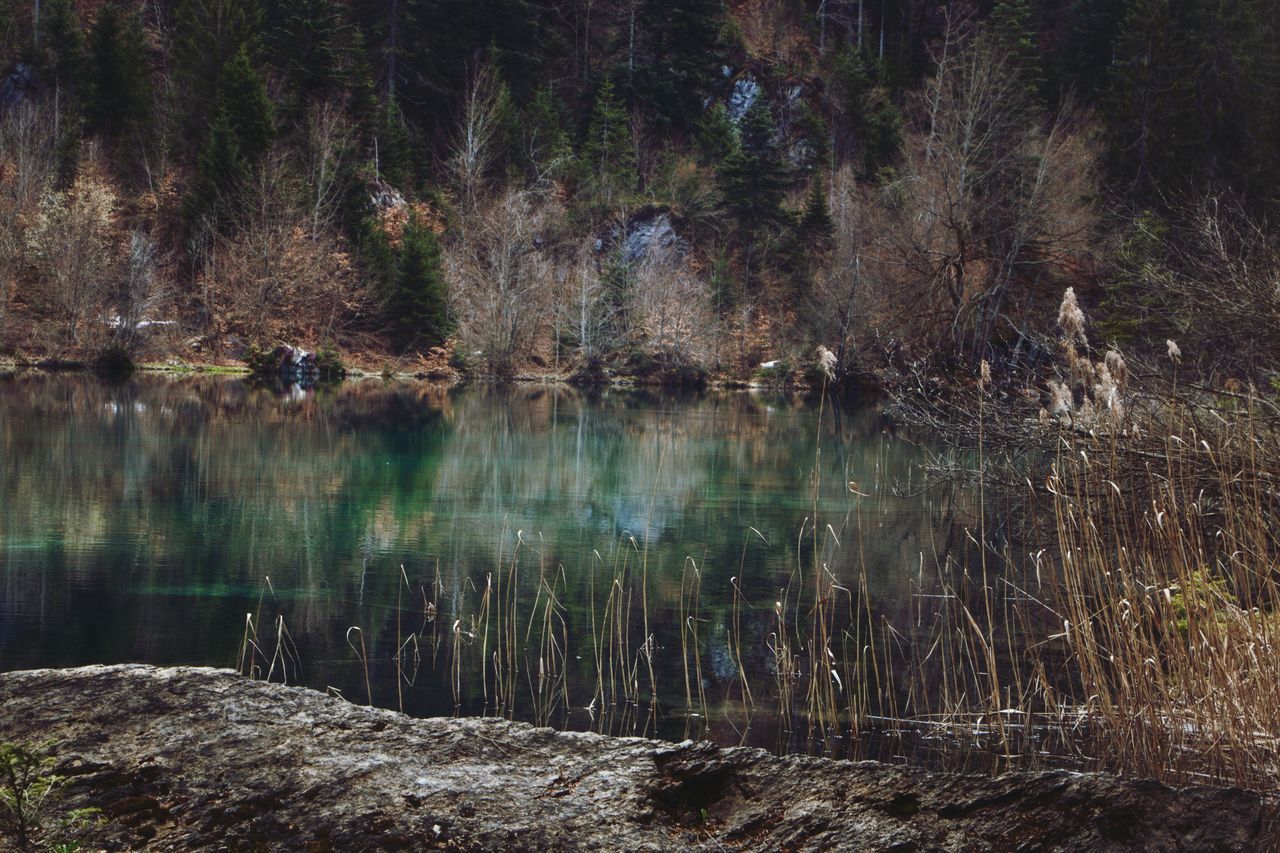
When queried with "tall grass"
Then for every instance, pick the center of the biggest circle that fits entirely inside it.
(1167, 589)
(1132, 626)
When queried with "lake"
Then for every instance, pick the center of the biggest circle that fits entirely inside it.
(627, 561)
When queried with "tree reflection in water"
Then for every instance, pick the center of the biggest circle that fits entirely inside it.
(139, 520)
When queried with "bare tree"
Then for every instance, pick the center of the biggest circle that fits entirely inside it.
(844, 302)
(670, 313)
(330, 137)
(276, 276)
(1208, 276)
(27, 162)
(501, 278)
(71, 245)
(473, 150)
(992, 198)
(587, 308)
(139, 296)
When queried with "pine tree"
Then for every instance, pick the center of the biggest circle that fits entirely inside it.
(753, 179)
(807, 240)
(393, 146)
(851, 79)
(242, 131)
(417, 304)
(717, 136)
(120, 94)
(1014, 34)
(1151, 102)
(1237, 67)
(867, 126)
(680, 57)
(1085, 55)
(815, 227)
(441, 41)
(308, 44)
(386, 31)
(882, 139)
(608, 155)
(363, 105)
(6, 27)
(220, 171)
(545, 146)
(243, 100)
(63, 44)
(517, 29)
(208, 34)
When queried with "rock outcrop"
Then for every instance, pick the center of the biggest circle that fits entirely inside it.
(187, 758)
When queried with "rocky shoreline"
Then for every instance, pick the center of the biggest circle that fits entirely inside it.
(191, 758)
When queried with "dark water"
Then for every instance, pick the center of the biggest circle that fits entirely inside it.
(140, 521)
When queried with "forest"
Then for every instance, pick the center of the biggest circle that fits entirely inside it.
(678, 189)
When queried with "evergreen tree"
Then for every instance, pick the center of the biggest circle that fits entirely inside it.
(393, 146)
(867, 127)
(883, 134)
(363, 105)
(608, 153)
(1238, 69)
(1014, 34)
(1150, 104)
(815, 227)
(1193, 100)
(120, 94)
(243, 100)
(220, 171)
(679, 59)
(6, 26)
(545, 146)
(753, 179)
(417, 304)
(442, 41)
(206, 35)
(242, 131)
(63, 44)
(308, 44)
(807, 240)
(523, 41)
(385, 31)
(717, 136)
(1085, 55)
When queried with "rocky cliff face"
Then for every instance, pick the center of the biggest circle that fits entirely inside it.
(182, 759)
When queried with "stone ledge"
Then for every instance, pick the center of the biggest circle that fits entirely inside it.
(189, 758)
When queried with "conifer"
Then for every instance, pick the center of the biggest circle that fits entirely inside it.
(309, 44)
(717, 136)
(1014, 34)
(608, 154)
(418, 302)
(815, 225)
(206, 35)
(753, 179)
(120, 92)
(63, 44)
(243, 99)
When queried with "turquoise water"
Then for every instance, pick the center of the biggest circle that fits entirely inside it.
(140, 521)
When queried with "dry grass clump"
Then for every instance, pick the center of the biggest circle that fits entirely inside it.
(1133, 624)
(1166, 587)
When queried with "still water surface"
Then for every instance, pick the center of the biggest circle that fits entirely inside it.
(140, 520)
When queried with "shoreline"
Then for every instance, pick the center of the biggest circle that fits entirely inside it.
(239, 370)
(188, 758)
